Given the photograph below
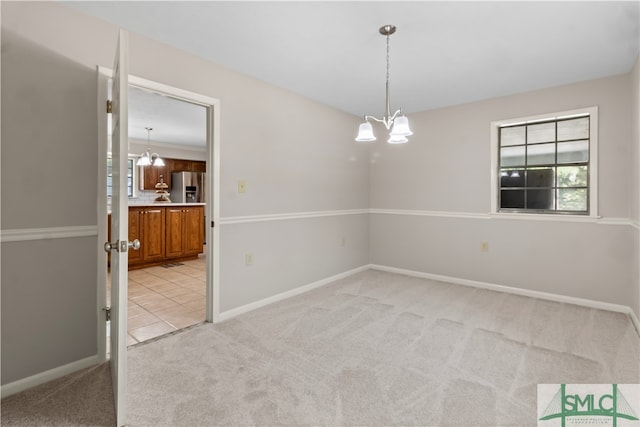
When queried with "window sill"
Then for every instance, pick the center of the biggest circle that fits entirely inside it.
(550, 217)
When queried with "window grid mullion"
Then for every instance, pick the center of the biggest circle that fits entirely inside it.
(527, 179)
(526, 169)
(555, 169)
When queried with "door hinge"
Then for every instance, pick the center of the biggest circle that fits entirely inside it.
(107, 313)
(109, 106)
(212, 224)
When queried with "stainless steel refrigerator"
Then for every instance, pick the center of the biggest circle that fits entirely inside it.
(188, 187)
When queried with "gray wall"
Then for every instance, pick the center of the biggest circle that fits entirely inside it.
(49, 54)
(634, 198)
(48, 305)
(48, 180)
(446, 170)
(48, 137)
(308, 243)
(295, 155)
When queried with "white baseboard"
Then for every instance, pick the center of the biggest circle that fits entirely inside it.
(52, 374)
(46, 376)
(517, 291)
(226, 315)
(449, 279)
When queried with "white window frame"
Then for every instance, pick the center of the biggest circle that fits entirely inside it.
(134, 181)
(593, 163)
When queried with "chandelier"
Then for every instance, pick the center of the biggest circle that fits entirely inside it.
(398, 122)
(147, 158)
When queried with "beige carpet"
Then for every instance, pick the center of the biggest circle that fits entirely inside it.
(380, 349)
(370, 350)
(83, 398)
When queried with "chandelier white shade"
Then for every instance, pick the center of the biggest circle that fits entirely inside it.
(401, 127)
(365, 133)
(147, 158)
(397, 122)
(397, 139)
(144, 160)
(157, 161)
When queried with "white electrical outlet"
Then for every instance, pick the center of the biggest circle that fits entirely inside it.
(242, 186)
(248, 259)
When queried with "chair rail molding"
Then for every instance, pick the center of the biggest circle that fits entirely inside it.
(65, 232)
(289, 216)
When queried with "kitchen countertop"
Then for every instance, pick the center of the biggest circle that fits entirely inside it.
(153, 204)
(133, 205)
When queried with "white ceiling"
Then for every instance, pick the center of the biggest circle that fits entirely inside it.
(443, 53)
(173, 121)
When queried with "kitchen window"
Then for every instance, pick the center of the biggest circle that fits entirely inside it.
(130, 177)
(546, 164)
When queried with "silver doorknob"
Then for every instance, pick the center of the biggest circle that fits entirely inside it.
(121, 246)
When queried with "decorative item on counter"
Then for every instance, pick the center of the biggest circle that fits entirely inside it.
(161, 190)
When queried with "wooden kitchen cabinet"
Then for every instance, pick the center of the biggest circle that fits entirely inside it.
(135, 232)
(174, 230)
(152, 243)
(199, 166)
(150, 176)
(166, 234)
(184, 231)
(180, 165)
(194, 230)
(147, 225)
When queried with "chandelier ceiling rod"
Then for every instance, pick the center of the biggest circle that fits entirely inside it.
(387, 30)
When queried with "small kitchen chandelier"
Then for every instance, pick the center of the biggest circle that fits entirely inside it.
(147, 159)
(398, 122)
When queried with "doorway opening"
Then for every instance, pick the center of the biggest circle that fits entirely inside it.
(171, 279)
(167, 202)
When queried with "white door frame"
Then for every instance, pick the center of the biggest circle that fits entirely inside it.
(212, 209)
(103, 143)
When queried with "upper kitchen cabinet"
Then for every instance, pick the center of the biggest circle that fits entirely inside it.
(179, 165)
(199, 166)
(150, 176)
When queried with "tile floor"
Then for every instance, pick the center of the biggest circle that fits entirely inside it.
(163, 300)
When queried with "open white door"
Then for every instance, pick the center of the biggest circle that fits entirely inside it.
(119, 227)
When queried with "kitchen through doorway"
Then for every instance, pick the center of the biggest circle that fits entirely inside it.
(167, 201)
(166, 298)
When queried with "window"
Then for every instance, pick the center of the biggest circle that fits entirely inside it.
(129, 177)
(546, 164)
